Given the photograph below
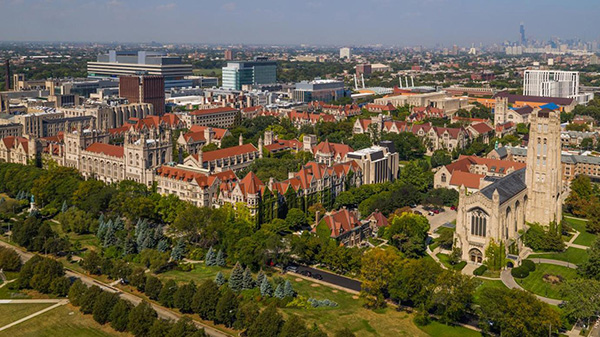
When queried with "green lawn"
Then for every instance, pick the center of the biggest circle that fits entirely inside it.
(89, 241)
(445, 259)
(485, 285)
(8, 294)
(573, 255)
(584, 238)
(436, 329)
(13, 312)
(198, 274)
(536, 284)
(62, 321)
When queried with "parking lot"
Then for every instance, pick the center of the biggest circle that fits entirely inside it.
(437, 220)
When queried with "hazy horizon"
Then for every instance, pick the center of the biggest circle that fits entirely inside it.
(285, 22)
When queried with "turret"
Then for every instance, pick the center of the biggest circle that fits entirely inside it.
(260, 147)
(241, 141)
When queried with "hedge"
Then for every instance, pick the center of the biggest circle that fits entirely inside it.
(480, 270)
(529, 265)
(520, 272)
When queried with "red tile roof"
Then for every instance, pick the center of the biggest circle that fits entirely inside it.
(332, 148)
(107, 149)
(468, 179)
(482, 128)
(227, 152)
(379, 218)
(341, 222)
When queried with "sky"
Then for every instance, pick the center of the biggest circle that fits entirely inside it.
(278, 22)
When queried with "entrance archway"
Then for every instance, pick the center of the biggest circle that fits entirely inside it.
(475, 255)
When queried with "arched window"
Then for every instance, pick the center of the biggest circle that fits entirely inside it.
(443, 177)
(478, 222)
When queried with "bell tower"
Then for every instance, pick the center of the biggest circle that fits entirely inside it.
(544, 170)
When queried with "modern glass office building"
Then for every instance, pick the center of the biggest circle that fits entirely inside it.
(239, 73)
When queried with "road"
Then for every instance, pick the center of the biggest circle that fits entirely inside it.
(161, 311)
(340, 281)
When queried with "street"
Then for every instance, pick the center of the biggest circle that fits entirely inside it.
(334, 279)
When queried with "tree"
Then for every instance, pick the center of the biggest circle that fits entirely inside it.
(246, 315)
(103, 306)
(267, 324)
(440, 158)
(345, 332)
(513, 313)
(260, 277)
(183, 327)
(495, 255)
(210, 259)
(288, 290)
(60, 286)
(279, 291)
(89, 298)
(206, 299)
(153, 287)
(91, 263)
(408, 233)
(378, 266)
(165, 297)
(220, 279)
(591, 268)
(9, 259)
(266, 290)
(220, 260)
(160, 328)
(76, 292)
(236, 279)
(413, 282)
(226, 308)
(294, 326)
(453, 295)
(296, 219)
(141, 319)
(582, 300)
(182, 298)
(119, 316)
(178, 250)
(247, 280)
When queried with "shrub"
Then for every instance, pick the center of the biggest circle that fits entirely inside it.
(480, 270)
(315, 303)
(529, 265)
(520, 272)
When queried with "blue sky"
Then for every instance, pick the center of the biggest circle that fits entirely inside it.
(335, 22)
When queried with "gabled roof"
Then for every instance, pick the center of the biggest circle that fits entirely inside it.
(12, 142)
(251, 184)
(468, 179)
(507, 186)
(219, 133)
(332, 148)
(107, 149)
(526, 110)
(341, 222)
(482, 128)
(379, 218)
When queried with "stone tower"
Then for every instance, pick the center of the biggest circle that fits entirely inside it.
(544, 171)
(500, 110)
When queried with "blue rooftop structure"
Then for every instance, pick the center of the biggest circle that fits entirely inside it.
(551, 106)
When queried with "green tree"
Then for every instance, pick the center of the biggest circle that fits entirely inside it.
(294, 326)
(220, 259)
(183, 327)
(266, 290)
(440, 158)
(182, 298)
(88, 299)
(413, 282)
(296, 219)
(591, 268)
(345, 332)
(378, 266)
(76, 292)
(119, 316)
(210, 259)
(247, 280)
(246, 315)
(141, 319)
(495, 255)
(453, 295)
(205, 300)
(582, 300)
(220, 279)
(236, 279)
(226, 308)
(103, 306)
(9, 259)
(153, 287)
(160, 328)
(267, 324)
(165, 297)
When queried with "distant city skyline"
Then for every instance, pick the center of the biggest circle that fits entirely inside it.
(324, 22)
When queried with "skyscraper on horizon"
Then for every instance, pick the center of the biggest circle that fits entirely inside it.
(522, 31)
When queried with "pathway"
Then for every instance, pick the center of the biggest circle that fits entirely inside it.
(554, 262)
(58, 304)
(433, 255)
(510, 282)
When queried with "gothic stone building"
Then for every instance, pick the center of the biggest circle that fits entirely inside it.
(501, 210)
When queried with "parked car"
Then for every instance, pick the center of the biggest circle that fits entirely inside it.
(291, 268)
(318, 276)
(453, 208)
(306, 273)
(436, 211)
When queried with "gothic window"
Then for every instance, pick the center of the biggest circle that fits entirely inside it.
(478, 223)
(443, 177)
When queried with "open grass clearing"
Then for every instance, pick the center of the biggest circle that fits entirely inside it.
(573, 255)
(11, 312)
(547, 279)
(63, 321)
(436, 329)
(445, 260)
(584, 238)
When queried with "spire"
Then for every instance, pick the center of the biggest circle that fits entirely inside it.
(241, 142)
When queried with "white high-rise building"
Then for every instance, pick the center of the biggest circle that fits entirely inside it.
(551, 83)
(554, 83)
(345, 52)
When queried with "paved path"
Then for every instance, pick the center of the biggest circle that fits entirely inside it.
(510, 282)
(554, 262)
(61, 302)
(433, 255)
(161, 311)
(32, 301)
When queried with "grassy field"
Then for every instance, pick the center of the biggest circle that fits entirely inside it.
(485, 285)
(7, 294)
(537, 285)
(63, 321)
(435, 329)
(573, 255)
(13, 312)
(445, 259)
(584, 238)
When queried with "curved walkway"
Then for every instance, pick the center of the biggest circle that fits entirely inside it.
(510, 282)
(554, 262)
